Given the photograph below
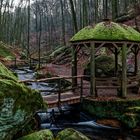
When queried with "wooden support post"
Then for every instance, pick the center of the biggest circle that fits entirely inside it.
(74, 66)
(116, 61)
(15, 65)
(92, 71)
(81, 87)
(136, 61)
(59, 93)
(124, 70)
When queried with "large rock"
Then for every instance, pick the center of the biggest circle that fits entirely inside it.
(126, 111)
(40, 135)
(104, 66)
(18, 104)
(71, 134)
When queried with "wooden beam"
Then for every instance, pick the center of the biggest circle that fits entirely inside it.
(74, 66)
(92, 71)
(116, 61)
(106, 42)
(136, 61)
(124, 70)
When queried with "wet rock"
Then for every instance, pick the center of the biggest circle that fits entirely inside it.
(105, 66)
(40, 135)
(70, 134)
(18, 104)
(130, 119)
(126, 111)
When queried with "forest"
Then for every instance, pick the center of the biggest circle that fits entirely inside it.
(47, 24)
(69, 69)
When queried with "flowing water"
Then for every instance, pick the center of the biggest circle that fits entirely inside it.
(56, 119)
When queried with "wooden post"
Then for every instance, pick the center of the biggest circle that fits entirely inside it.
(124, 70)
(136, 61)
(92, 71)
(81, 92)
(59, 93)
(74, 66)
(15, 65)
(116, 61)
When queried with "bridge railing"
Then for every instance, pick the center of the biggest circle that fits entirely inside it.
(77, 90)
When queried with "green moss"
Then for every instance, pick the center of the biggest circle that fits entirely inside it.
(104, 65)
(107, 31)
(70, 134)
(41, 135)
(135, 109)
(130, 119)
(18, 104)
(6, 74)
(124, 110)
(5, 51)
(59, 51)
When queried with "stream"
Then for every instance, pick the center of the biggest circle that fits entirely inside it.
(57, 119)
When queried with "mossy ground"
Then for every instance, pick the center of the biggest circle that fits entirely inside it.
(124, 110)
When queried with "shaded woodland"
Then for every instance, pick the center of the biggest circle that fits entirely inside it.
(40, 26)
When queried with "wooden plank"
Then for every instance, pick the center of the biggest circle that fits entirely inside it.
(107, 87)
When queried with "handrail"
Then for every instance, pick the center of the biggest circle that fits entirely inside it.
(80, 86)
(53, 78)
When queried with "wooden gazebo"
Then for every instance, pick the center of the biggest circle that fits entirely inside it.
(118, 38)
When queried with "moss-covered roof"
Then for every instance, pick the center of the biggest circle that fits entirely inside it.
(107, 31)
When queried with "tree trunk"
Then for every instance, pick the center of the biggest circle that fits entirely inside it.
(63, 22)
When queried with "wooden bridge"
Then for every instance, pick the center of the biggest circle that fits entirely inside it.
(59, 97)
(72, 95)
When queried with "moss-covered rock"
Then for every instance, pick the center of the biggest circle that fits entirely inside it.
(130, 119)
(18, 104)
(59, 51)
(6, 74)
(124, 110)
(104, 66)
(70, 134)
(5, 51)
(40, 135)
(135, 109)
(107, 31)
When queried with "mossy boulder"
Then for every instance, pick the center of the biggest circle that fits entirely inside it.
(71, 134)
(123, 110)
(18, 104)
(130, 119)
(5, 51)
(59, 51)
(107, 31)
(40, 135)
(104, 66)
